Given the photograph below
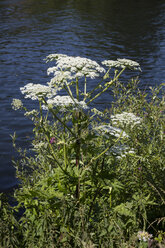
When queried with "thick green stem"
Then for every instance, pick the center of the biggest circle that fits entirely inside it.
(78, 134)
(85, 89)
(69, 91)
(65, 151)
(41, 119)
(77, 89)
(65, 155)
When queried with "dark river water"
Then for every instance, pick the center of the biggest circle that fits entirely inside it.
(98, 29)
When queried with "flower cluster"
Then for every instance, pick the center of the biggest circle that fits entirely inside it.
(63, 102)
(60, 79)
(120, 151)
(35, 91)
(122, 63)
(31, 114)
(144, 236)
(17, 104)
(70, 68)
(54, 56)
(109, 130)
(125, 119)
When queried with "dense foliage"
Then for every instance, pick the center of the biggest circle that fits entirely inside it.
(91, 178)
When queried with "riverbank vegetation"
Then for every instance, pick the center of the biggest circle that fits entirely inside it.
(91, 177)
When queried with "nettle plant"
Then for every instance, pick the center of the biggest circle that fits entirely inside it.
(83, 185)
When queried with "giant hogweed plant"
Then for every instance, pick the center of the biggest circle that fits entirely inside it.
(84, 186)
(148, 163)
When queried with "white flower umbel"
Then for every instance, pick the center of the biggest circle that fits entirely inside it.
(111, 63)
(121, 150)
(144, 236)
(109, 130)
(54, 56)
(125, 119)
(35, 91)
(129, 63)
(78, 67)
(16, 104)
(63, 102)
(122, 63)
(60, 78)
(32, 114)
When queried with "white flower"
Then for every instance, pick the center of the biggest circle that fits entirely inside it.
(122, 63)
(125, 119)
(33, 113)
(113, 131)
(111, 63)
(16, 104)
(77, 66)
(51, 57)
(60, 79)
(35, 91)
(64, 102)
(121, 151)
(39, 145)
(144, 236)
(129, 63)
